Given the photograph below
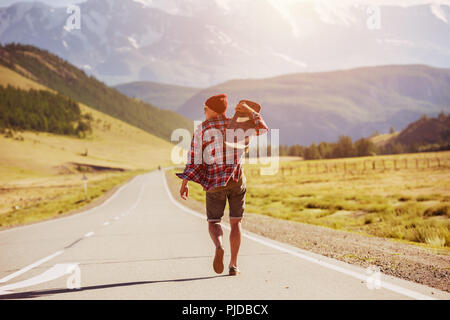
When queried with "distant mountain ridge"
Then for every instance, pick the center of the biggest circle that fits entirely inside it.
(169, 97)
(315, 107)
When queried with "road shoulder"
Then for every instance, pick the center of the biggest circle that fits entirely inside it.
(422, 265)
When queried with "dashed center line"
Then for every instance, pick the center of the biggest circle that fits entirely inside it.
(60, 269)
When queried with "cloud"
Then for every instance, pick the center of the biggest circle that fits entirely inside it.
(290, 60)
(334, 14)
(282, 6)
(438, 12)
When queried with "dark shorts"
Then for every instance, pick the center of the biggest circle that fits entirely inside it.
(216, 200)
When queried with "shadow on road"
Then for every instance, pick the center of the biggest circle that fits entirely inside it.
(36, 294)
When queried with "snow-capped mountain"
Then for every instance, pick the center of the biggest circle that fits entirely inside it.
(205, 42)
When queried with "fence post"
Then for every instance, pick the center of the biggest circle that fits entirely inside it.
(439, 162)
(373, 164)
(395, 164)
(417, 163)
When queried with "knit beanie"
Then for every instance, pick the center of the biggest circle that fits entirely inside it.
(217, 103)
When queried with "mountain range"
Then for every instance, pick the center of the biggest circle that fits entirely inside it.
(165, 96)
(201, 43)
(315, 107)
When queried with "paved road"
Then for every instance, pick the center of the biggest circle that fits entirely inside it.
(141, 244)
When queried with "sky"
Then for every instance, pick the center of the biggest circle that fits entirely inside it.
(279, 2)
(56, 3)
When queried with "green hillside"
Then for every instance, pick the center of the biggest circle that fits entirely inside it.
(40, 172)
(166, 96)
(57, 74)
(40, 110)
(425, 134)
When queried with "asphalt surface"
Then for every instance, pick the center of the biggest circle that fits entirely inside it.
(142, 244)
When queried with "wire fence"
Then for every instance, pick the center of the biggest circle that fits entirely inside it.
(359, 167)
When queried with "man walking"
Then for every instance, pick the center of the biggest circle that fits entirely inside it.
(220, 177)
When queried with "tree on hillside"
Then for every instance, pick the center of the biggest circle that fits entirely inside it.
(40, 110)
(344, 148)
(325, 150)
(364, 147)
(296, 151)
(312, 153)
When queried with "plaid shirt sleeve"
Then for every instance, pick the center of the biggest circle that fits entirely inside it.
(194, 170)
(259, 122)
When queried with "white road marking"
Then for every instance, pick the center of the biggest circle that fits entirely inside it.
(31, 266)
(271, 244)
(43, 260)
(135, 179)
(53, 273)
(141, 193)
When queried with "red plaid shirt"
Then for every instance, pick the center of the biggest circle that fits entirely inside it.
(221, 163)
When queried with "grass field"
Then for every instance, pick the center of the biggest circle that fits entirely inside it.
(395, 200)
(46, 199)
(40, 173)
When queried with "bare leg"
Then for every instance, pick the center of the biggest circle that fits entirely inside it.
(216, 233)
(235, 240)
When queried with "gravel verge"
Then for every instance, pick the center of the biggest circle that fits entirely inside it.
(427, 266)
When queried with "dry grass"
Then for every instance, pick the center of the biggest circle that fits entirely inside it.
(9, 77)
(35, 172)
(33, 203)
(405, 204)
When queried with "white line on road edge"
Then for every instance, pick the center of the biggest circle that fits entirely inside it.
(31, 266)
(43, 260)
(389, 286)
(118, 191)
